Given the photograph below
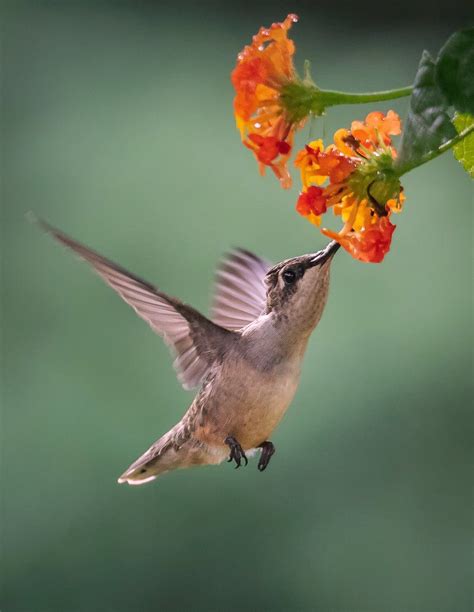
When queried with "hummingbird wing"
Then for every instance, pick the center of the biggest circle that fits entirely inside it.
(240, 294)
(196, 341)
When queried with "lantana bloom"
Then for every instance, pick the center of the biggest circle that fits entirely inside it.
(263, 70)
(355, 177)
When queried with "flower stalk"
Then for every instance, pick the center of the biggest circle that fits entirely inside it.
(302, 98)
(449, 144)
(333, 98)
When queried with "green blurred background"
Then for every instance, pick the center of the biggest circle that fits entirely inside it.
(118, 128)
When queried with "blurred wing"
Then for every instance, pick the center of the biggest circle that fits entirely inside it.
(196, 341)
(240, 294)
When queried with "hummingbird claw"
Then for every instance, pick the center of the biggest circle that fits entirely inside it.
(236, 452)
(268, 449)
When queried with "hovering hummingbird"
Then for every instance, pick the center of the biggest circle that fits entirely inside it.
(246, 360)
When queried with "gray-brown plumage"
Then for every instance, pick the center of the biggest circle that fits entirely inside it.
(246, 361)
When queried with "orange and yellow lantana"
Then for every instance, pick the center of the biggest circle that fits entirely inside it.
(360, 185)
(263, 69)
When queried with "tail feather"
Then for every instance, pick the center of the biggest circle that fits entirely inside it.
(176, 449)
(158, 459)
(135, 481)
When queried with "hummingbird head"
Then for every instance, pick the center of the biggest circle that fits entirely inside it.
(297, 288)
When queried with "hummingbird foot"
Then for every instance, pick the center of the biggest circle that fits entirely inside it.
(236, 452)
(268, 450)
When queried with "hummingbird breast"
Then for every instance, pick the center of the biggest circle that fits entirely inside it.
(245, 400)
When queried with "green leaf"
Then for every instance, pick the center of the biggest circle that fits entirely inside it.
(428, 124)
(455, 71)
(464, 150)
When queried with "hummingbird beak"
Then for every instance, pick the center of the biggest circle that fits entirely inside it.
(325, 255)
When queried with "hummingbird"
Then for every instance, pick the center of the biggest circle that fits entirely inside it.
(245, 360)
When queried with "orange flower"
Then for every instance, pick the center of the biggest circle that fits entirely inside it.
(366, 136)
(263, 69)
(312, 204)
(361, 184)
(369, 245)
(376, 129)
(317, 165)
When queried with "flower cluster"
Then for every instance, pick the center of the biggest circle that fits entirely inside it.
(264, 68)
(355, 177)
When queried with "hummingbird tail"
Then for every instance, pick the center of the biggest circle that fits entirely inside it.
(139, 476)
(145, 470)
(170, 452)
(161, 457)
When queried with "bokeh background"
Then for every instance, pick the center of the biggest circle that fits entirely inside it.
(117, 127)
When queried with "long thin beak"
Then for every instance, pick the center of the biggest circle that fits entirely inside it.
(322, 256)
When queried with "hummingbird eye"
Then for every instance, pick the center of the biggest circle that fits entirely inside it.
(289, 276)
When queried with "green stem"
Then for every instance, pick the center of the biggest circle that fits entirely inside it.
(301, 98)
(331, 98)
(449, 144)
